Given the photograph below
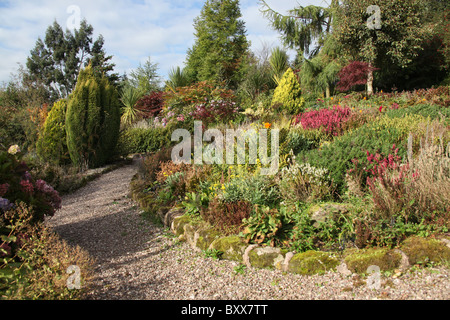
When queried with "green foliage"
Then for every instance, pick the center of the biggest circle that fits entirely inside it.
(302, 27)
(378, 136)
(268, 226)
(220, 49)
(35, 263)
(302, 182)
(57, 60)
(145, 78)
(92, 120)
(288, 93)
(396, 43)
(279, 61)
(213, 253)
(52, 145)
(177, 78)
(256, 189)
(425, 110)
(129, 97)
(141, 140)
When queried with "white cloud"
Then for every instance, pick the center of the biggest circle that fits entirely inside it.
(133, 29)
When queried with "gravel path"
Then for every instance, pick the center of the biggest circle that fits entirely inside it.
(136, 260)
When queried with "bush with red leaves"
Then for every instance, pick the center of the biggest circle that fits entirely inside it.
(352, 75)
(151, 105)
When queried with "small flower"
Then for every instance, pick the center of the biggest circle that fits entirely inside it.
(267, 125)
(14, 149)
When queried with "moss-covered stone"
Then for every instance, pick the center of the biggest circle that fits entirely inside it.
(266, 257)
(232, 247)
(312, 262)
(178, 224)
(386, 259)
(206, 237)
(423, 251)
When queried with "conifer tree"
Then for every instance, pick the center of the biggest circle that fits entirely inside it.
(92, 120)
(221, 47)
(288, 93)
(51, 145)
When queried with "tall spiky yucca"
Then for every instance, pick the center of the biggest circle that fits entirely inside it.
(92, 120)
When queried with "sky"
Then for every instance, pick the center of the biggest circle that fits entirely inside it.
(134, 30)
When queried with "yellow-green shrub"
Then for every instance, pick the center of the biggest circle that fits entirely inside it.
(288, 93)
(51, 145)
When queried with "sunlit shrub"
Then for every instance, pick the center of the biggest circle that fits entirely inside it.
(329, 120)
(288, 93)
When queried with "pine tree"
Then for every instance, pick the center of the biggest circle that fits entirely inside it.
(220, 50)
(92, 120)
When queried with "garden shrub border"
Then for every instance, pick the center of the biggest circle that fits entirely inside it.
(201, 236)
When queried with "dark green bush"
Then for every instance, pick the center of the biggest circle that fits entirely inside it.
(92, 120)
(140, 140)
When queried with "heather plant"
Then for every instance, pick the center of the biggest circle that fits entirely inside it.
(226, 217)
(255, 189)
(330, 121)
(374, 137)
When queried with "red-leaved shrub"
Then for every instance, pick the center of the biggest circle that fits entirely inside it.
(150, 105)
(352, 75)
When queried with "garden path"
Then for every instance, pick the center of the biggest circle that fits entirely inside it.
(138, 260)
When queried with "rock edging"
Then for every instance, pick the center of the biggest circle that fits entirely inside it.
(201, 236)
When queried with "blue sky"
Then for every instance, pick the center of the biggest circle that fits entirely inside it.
(133, 29)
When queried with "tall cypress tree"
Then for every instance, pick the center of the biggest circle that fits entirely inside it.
(92, 120)
(221, 46)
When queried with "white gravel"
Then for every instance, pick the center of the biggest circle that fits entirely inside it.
(136, 260)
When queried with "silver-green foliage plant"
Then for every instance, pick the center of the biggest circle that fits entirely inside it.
(303, 182)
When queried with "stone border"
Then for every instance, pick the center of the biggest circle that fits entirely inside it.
(201, 236)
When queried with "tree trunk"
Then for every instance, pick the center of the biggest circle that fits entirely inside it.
(370, 80)
(327, 91)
